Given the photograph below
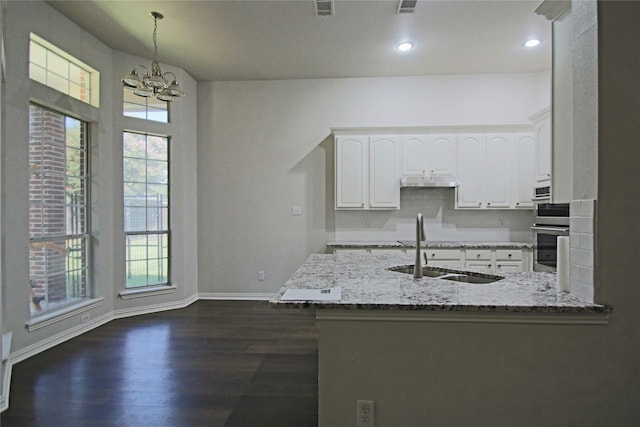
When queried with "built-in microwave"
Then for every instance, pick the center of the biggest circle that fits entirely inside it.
(552, 220)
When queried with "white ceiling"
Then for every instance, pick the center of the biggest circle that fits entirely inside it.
(275, 39)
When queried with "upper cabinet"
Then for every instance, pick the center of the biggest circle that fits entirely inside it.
(496, 166)
(429, 154)
(352, 170)
(367, 172)
(542, 130)
(495, 171)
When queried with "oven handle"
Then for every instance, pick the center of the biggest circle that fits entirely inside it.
(558, 231)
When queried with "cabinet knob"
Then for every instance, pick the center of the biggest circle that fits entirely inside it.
(433, 255)
(489, 204)
(478, 256)
(363, 205)
(517, 203)
(479, 203)
(509, 255)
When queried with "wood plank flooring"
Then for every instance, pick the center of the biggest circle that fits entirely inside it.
(214, 363)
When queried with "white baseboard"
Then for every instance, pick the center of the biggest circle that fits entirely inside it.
(235, 296)
(156, 308)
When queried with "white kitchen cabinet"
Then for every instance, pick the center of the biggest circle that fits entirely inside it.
(384, 188)
(414, 155)
(444, 257)
(497, 164)
(429, 154)
(352, 170)
(523, 174)
(442, 154)
(470, 193)
(542, 130)
(495, 171)
(367, 172)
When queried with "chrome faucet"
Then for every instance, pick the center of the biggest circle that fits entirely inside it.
(420, 236)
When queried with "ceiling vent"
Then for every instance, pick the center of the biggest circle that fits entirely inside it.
(406, 6)
(323, 7)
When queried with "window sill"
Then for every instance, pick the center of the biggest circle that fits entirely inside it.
(147, 291)
(61, 314)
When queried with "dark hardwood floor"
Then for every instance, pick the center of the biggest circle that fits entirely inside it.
(214, 363)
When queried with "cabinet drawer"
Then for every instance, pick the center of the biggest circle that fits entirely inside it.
(478, 254)
(509, 267)
(509, 254)
(454, 254)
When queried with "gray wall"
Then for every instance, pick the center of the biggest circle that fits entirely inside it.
(265, 146)
(106, 124)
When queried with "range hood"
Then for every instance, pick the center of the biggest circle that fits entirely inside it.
(429, 181)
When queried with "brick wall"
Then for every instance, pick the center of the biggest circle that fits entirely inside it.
(47, 195)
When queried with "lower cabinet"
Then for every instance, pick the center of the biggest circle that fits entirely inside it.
(444, 257)
(491, 260)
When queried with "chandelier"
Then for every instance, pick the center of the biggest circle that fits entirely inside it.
(153, 82)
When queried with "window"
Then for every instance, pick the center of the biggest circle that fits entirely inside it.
(146, 209)
(57, 69)
(144, 108)
(58, 209)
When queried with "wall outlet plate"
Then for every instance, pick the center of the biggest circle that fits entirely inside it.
(364, 409)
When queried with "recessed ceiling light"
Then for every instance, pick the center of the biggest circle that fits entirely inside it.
(404, 46)
(532, 43)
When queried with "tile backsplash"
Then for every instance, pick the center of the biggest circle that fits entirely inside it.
(441, 220)
(581, 247)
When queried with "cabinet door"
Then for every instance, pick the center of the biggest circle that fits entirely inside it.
(525, 159)
(442, 154)
(543, 149)
(498, 162)
(414, 155)
(351, 171)
(471, 167)
(384, 179)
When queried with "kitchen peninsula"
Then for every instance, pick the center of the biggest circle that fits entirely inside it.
(423, 348)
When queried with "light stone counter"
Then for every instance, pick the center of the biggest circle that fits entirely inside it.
(367, 284)
(429, 244)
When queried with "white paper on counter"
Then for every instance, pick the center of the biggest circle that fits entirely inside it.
(329, 294)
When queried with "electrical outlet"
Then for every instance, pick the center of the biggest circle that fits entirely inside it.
(296, 210)
(85, 318)
(260, 275)
(365, 413)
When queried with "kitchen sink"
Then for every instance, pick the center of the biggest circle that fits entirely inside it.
(448, 274)
(426, 271)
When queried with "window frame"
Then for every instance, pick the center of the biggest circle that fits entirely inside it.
(94, 75)
(148, 287)
(50, 240)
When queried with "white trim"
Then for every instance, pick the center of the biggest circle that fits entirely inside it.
(64, 313)
(256, 296)
(155, 308)
(462, 317)
(521, 127)
(147, 291)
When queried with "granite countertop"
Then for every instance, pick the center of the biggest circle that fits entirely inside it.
(427, 244)
(368, 285)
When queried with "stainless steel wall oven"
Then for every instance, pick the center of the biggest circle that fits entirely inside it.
(552, 220)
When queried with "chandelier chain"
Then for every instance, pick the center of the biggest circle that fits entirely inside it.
(155, 38)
